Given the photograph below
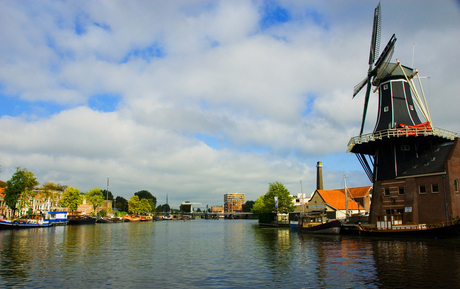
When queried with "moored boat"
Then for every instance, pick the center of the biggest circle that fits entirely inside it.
(104, 220)
(391, 226)
(117, 220)
(145, 218)
(316, 223)
(76, 218)
(26, 222)
(128, 218)
(57, 218)
(294, 218)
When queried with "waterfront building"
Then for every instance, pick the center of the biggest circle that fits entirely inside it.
(39, 203)
(3, 207)
(361, 195)
(47, 202)
(299, 201)
(332, 203)
(187, 207)
(217, 209)
(233, 203)
(86, 207)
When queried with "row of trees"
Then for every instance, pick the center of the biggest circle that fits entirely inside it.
(22, 189)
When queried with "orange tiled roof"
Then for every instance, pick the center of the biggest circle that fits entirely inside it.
(336, 199)
(1, 192)
(359, 192)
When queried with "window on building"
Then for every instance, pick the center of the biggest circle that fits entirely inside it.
(435, 188)
(456, 186)
(405, 148)
(422, 189)
(387, 192)
(401, 190)
(389, 211)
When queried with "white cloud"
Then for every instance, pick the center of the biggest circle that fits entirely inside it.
(206, 102)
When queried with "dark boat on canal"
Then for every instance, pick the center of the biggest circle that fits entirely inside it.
(316, 223)
(391, 226)
(76, 218)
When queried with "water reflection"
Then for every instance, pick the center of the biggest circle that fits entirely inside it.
(417, 263)
(333, 261)
(18, 249)
(219, 254)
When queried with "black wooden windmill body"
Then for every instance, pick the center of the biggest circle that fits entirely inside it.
(401, 145)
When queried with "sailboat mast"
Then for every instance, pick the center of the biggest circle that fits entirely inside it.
(301, 194)
(346, 195)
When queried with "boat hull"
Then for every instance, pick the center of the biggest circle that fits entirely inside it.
(127, 218)
(451, 230)
(81, 221)
(330, 228)
(145, 218)
(13, 225)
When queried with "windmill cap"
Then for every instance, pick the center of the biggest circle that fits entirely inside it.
(394, 72)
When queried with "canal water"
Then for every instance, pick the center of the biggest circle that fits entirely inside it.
(219, 254)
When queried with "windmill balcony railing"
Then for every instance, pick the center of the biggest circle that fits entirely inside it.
(401, 132)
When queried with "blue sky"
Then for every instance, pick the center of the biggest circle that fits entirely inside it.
(196, 99)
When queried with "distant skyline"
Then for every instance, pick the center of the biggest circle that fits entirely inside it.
(197, 99)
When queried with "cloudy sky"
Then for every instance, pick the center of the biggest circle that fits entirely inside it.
(196, 99)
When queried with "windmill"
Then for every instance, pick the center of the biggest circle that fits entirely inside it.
(375, 69)
(403, 151)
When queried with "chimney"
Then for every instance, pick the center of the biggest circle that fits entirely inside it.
(319, 176)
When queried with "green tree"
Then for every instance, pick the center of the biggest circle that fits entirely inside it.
(147, 195)
(2, 184)
(144, 194)
(266, 203)
(285, 201)
(121, 204)
(259, 206)
(133, 205)
(144, 206)
(247, 207)
(104, 193)
(95, 197)
(163, 208)
(71, 199)
(18, 187)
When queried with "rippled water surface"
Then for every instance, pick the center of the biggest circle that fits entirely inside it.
(219, 254)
